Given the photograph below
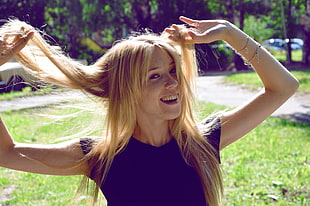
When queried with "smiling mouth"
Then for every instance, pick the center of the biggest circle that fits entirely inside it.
(170, 99)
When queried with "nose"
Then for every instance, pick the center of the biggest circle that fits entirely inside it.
(171, 82)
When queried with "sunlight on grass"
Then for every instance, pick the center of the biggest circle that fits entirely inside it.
(43, 125)
(27, 92)
(251, 81)
(270, 166)
(281, 55)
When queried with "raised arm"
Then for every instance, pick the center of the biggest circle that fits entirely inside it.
(55, 159)
(279, 84)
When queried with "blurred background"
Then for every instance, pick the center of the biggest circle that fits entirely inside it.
(87, 28)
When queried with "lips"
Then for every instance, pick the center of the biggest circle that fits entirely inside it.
(170, 99)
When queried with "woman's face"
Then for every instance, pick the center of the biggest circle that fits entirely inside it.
(160, 98)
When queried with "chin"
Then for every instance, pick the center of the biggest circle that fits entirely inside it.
(173, 116)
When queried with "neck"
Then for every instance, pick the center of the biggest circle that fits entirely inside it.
(153, 133)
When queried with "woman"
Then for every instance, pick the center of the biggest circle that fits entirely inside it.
(152, 152)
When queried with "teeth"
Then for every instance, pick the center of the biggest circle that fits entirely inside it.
(170, 98)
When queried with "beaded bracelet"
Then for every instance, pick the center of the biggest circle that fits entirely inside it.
(255, 56)
(245, 47)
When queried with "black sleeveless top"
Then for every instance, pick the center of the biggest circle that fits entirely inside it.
(144, 175)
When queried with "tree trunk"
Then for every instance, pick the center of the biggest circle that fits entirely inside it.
(238, 61)
(285, 32)
(306, 48)
(290, 26)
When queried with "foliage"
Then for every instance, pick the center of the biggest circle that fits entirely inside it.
(257, 28)
(106, 21)
(288, 11)
(237, 8)
(65, 19)
(234, 10)
(31, 10)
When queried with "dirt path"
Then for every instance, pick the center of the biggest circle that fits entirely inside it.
(40, 101)
(212, 89)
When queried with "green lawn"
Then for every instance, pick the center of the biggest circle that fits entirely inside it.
(41, 126)
(251, 81)
(27, 91)
(282, 55)
(269, 166)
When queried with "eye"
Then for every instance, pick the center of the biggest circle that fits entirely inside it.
(154, 76)
(173, 71)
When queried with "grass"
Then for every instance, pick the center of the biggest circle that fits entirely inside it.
(281, 55)
(251, 81)
(27, 91)
(34, 126)
(269, 166)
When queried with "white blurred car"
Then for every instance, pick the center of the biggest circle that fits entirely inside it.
(13, 77)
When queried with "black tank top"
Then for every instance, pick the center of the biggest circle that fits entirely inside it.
(144, 175)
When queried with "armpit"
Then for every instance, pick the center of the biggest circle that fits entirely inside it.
(211, 130)
(86, 145)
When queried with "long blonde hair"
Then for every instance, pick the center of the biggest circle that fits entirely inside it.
(118, 78)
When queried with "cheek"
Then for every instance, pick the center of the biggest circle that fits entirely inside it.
(149, 96)
(155, 86)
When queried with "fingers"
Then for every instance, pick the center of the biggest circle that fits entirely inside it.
(170, 30)
(188, 34)
(173, 32)
(189, 21)
(21, 41)
(10, 48)
(205, 31)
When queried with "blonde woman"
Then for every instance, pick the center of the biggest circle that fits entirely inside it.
(153, 152)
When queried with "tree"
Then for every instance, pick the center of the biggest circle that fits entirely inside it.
(236, 11)
(306, 22)
(285, 20)
(64, 22)
(31, 11)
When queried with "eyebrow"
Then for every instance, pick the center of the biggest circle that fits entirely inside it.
(154, 68)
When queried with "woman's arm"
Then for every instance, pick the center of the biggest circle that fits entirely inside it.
(57, 159)
(279, 84)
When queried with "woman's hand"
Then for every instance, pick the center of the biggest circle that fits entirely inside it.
(201, 31)
(11, 44)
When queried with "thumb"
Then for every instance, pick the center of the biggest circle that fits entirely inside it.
(195, 37)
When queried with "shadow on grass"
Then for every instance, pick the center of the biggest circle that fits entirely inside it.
(298, 118)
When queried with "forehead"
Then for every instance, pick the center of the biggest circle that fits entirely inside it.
(160, 58)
